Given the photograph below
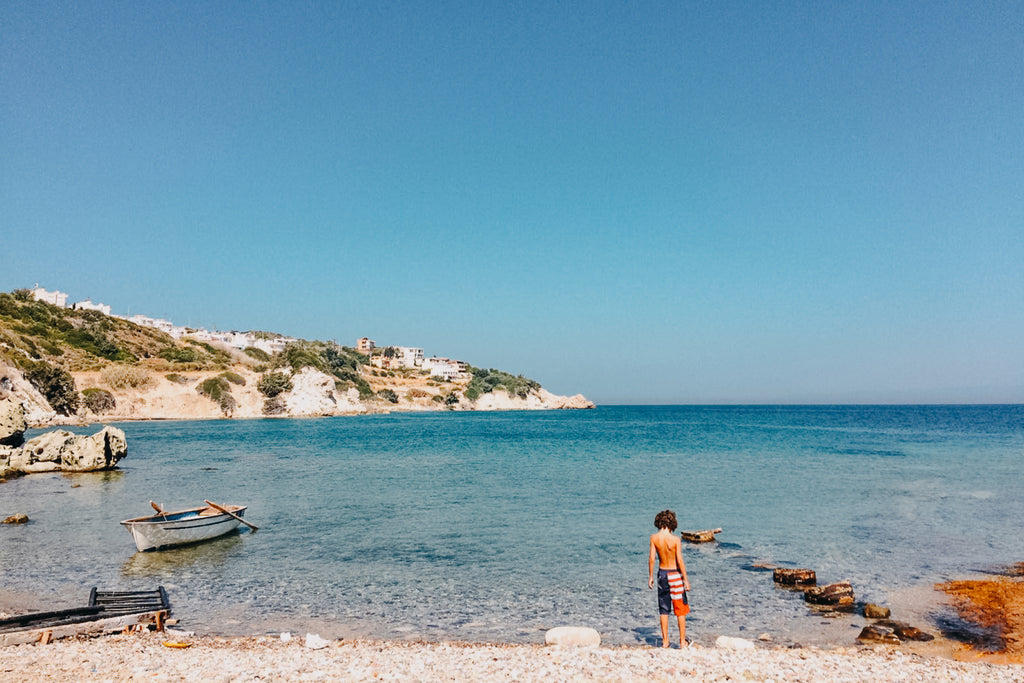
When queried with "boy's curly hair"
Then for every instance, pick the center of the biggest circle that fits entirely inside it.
(665, 519)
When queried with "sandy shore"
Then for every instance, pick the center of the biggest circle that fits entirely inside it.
(144, 656)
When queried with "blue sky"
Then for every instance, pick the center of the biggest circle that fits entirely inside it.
(656, 203)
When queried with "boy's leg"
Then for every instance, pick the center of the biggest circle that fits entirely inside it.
(664, 630)
(682, 631)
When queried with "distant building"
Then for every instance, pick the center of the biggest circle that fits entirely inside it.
(56, 298)
(445, 367)
(275, 345)
(409, 356)
(88, 305)
(365, 345)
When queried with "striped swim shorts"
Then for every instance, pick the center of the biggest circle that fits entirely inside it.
(671, 596)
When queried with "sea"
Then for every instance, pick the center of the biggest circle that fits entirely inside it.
(495, 526)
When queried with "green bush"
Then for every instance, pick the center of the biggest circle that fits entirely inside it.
(298, 356)
(387, 395)
(57, 385)
(233, 377)
(258, 354)
(94, 341)
(177, 379)
(472, 393)
(486, 381)
(176, 355)
(98, 400)
(274, 383)
(218, 390)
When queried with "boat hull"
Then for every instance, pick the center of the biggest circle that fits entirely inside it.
(181, 528)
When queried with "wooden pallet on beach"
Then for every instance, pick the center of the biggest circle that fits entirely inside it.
(105, 613)
(704, 536)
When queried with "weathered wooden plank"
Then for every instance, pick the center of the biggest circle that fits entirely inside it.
(96, 626)
(22, 620)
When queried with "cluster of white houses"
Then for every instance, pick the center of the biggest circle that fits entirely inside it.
(394, 357)
(238, 340)
(386, 358)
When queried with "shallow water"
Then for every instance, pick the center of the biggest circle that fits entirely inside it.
(495, 526)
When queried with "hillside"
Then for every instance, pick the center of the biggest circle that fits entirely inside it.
(75, 365)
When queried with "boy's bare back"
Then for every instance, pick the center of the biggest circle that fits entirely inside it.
(668, 546)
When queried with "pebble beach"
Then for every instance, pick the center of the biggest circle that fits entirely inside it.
(148, 656)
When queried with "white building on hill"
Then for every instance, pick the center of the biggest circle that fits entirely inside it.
(445, 367)
(409, 356)
(57, 298)
(88, 305)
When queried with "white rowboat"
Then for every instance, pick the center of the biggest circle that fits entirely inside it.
(166, 529)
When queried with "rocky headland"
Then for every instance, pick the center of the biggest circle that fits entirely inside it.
(67, 366)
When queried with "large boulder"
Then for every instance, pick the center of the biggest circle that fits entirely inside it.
(63, 451)
(12, 423)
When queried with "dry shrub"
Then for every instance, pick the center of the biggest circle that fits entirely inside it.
(417, 393)
(125, 377)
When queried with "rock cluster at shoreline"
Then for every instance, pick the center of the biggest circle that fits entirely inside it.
(54, 451)
(144, 656)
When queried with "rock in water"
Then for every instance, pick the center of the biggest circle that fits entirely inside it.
(794, 577)
(905, 631)
(575, 636)
(63, 451)
(873, 611)
(12, 423)
(730, 643)
(838, 594)
(20, 518)
(876, 633)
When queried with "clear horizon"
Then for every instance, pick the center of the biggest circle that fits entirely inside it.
(661, 205)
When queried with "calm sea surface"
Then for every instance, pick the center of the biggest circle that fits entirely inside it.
(495, 526)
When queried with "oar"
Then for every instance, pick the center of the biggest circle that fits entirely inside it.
(156, 507)
(231, 514)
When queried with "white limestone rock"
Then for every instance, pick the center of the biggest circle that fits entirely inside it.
(541, 399)
(572, 636)
(312, 394)
(730, 643)
(63, 451)
(12, 423)
(14, 386)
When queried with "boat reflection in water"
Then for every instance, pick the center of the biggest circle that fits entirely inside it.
(167, 563)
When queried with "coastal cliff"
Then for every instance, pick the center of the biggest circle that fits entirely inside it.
(313, 394)
(68, 366)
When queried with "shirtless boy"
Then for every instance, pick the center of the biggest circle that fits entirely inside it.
(666, 550)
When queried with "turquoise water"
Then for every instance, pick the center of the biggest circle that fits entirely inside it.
(495, 526)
